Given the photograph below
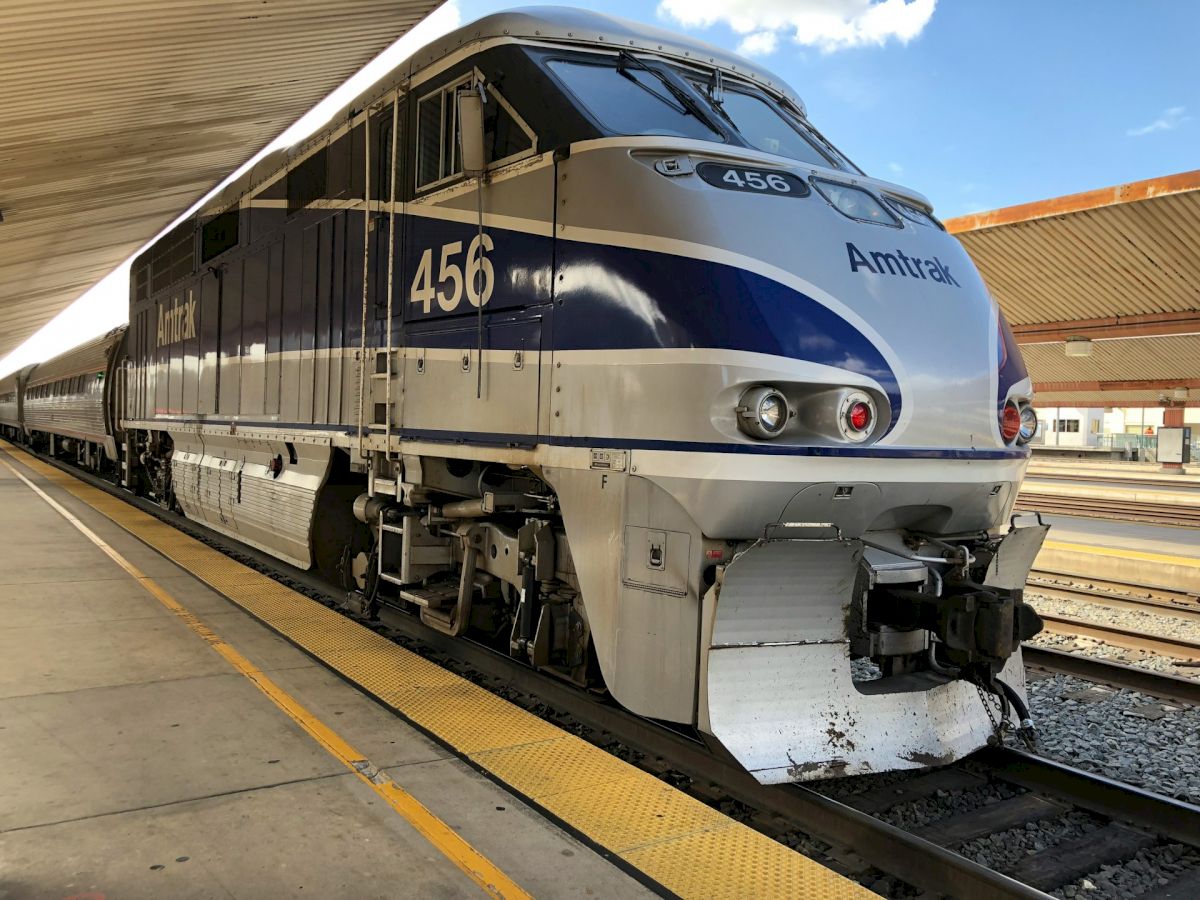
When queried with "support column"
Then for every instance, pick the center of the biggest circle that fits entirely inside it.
(1173, 418)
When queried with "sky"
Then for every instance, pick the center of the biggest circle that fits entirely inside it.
(977, 104)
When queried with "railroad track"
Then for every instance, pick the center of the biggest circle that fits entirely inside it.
(1126, 638)
(1115, 674)
(1126, 818)
(1097, 508)
(1118, 596)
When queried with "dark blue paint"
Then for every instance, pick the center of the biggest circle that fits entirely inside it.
(1012, 364)
(621, 298)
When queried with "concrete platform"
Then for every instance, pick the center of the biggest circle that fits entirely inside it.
(1115, 472)
(136, 762)
(1134, 552)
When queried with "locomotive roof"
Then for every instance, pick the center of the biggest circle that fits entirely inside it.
(79, 360)
(562, 24)
(556, 24)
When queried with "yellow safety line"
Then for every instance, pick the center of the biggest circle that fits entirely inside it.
(1122, 553)
(477, 867)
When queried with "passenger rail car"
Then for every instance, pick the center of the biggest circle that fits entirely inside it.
(69, 405)
(10, 405)
(576, 337)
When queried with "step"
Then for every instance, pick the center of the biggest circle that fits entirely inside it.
(433, 596)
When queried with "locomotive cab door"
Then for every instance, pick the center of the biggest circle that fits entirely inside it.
(473, 292)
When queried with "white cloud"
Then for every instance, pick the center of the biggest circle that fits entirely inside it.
(758, 43)
(106, 304)
(1170, 119)
(828, 25)
(895, 168)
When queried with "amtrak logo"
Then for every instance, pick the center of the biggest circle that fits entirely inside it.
(177, 323)
(899, 264)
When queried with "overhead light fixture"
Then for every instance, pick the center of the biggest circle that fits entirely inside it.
(1077, 346)
(1180, 393)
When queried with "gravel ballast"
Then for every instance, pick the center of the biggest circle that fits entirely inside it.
(1145, 875)
(1121, 734)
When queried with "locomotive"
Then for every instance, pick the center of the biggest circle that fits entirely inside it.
(576, 338)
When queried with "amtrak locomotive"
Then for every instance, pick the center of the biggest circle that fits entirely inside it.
(576, 338)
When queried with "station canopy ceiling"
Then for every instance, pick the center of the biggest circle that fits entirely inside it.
(116, 117)
(1119, 267)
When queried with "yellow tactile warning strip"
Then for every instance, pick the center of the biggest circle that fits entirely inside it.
(475, 865)
(685, 846)
(1122, 553)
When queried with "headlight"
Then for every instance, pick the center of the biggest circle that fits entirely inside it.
(855, 203)
(1029, 425)
(762, 412)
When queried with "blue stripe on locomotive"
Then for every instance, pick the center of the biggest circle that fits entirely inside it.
(1011, 363)
(618, 298)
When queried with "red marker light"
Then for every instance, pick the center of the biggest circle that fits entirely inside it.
(859, 416)
(1010, 422)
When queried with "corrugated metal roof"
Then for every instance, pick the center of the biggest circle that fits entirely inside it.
(1128, 250)
(114, 118)
(1136, 359)
(1121, 263)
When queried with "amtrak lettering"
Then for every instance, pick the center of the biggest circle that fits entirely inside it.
(177, 323)
(899, 264)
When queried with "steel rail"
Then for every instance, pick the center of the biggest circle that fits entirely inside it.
(1189, 612)
(1073, 581)
(1116, 674)
(1122, 637)
(1175, 819)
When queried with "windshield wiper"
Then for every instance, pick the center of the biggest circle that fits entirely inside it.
(716, 97)
(626, 60)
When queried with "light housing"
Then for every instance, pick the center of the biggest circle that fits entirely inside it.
(1010, 422)
(856, 203)
(763, 412)
(856, 416)
(1029, 424)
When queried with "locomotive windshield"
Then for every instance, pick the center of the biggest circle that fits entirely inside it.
(633, 100)
(762, 125)
(633, 96)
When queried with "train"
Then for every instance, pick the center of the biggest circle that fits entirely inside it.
(576, 338)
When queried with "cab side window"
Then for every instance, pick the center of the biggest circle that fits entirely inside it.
(506, 135)
(437, 136)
